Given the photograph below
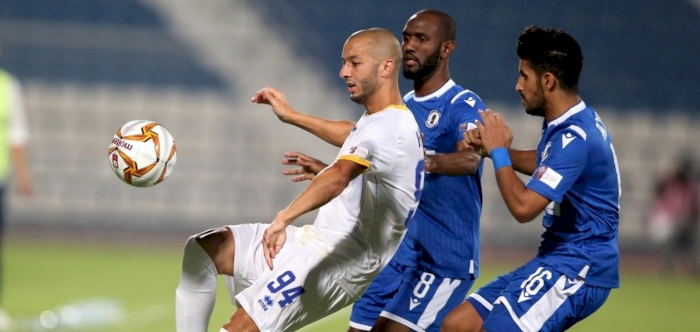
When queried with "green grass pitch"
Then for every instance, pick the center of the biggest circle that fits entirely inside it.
(43, 275)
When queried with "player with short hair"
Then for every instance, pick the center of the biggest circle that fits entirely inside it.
(438, 260)
(284, 277)
(575, 182)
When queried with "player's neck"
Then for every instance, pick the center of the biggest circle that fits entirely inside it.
(430, 83)
(560, 103)
(390, 95)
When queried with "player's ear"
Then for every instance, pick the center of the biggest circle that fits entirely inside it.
(549, 81)
(447, 48)
(387, 67)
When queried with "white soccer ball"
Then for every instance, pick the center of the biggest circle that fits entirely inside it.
(142, 153)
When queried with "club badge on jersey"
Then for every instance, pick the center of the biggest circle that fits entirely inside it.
(433, 119)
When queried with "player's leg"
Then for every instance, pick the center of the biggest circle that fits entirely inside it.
(539, 298)
(383, 288)
(205, 256)
(464, 318)
(240, 322)
(470, 315)
(302, 288)
(422, 302)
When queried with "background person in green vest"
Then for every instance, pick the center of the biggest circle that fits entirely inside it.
(13, 159)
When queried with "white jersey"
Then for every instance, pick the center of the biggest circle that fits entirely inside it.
(326, 266)
(364, 225)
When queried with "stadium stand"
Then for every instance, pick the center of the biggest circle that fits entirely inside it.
(88, 66)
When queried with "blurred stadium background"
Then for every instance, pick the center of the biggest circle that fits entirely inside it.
(89, 66)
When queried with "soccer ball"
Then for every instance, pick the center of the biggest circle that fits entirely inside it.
(142, 153)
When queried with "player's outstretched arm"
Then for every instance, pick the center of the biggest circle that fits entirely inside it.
(462, 162)
(326, 186)
(332, 131)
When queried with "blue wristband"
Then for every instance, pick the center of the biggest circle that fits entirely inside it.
(500, 158)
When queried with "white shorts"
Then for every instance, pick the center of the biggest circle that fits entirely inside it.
(301, 289)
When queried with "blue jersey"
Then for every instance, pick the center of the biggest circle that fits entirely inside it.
(578, 171)
(445, 228)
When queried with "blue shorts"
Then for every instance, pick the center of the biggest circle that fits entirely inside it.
(535, 297)
(417, 299)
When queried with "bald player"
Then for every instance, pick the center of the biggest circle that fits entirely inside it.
(283, 277)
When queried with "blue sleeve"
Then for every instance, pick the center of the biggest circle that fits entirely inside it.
(562, 166)
(464, 111)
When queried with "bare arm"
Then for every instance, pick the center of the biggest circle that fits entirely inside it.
(464, 161)
(523, 203)
(323, 188)
(524, 161)
(332, 131)
(21, 170)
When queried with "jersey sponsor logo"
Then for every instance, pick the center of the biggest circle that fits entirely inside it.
(548, 176)
(466, 126)
(359, 151)
(470, 101)
(566, 139)
(433, 119)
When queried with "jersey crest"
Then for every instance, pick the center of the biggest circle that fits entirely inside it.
(433, 119)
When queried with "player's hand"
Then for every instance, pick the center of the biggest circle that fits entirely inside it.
(274, 238)
(493, 131)
(472, 141)
(310, 167)
(429, 163)
(277, 100)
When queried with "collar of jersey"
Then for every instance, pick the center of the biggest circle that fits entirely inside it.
(439, 92)
(397, 106)
(573, 110)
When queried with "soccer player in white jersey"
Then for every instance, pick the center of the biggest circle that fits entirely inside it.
(575, 181)
(283, 277)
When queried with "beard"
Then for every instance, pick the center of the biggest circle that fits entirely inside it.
(425, 69)
(537, 103)
(369, 87)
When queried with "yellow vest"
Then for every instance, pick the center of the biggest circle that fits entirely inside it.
(5, 95)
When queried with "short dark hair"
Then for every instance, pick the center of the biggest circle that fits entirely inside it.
(448, 28)
(554, 51)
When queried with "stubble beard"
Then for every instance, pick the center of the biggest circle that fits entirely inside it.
(425, 70)
(369, 87)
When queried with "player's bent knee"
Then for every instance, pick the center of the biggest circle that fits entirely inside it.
(218, 243)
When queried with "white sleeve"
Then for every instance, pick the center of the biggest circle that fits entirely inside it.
(19, 130)
(373, 145)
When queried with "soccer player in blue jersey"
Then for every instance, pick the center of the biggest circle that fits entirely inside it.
(438, 260)
(575, 181)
